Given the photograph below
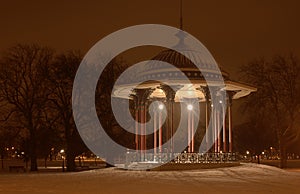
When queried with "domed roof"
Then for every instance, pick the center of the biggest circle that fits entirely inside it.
(182, 61)
(194, 68)
(195, 64)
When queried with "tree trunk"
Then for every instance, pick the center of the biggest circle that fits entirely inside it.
(2, 160)
(283, 156)
(70, 157)
(33, 156)
(33, 163)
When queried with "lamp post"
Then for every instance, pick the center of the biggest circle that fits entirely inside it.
(190, 129)
(62, 153)
(160, 107)
(248, 155)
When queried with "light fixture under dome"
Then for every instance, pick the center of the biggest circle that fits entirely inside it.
(161, 106)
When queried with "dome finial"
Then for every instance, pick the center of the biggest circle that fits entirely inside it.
(181, 34)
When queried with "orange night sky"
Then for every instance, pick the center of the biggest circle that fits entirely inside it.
(234, 31)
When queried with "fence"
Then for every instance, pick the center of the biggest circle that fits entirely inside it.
(180, 157)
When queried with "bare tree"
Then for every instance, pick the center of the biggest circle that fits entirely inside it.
(24, 87)
(62, 76)
(277, 97)
(103, 95)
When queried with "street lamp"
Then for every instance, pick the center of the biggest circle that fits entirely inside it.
(62, 153)
(247, 155)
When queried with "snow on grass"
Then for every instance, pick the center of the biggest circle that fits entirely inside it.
(247, 178)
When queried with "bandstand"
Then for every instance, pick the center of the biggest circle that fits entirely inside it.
(207, 87)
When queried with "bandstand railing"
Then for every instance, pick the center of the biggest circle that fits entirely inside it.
(180, 157)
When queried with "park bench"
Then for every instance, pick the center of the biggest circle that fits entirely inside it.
(16, 168)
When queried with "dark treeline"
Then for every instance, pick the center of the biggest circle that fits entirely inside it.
(36, 102)
(36, 85)
(274, 110)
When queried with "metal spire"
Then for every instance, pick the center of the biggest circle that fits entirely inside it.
(181, 20)
(181, 34)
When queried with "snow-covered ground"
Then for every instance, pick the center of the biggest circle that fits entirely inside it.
(247, 178)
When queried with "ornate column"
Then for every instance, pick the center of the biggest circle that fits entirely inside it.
(142, 96)
(146, 100)
(205, 91)
(214, 104)
(230, 95)
(189, 132)
(215, 127)
(170, 93)
(217, 101)
(157, 121)
(145, 123)
(136, 115)
(191, 124)
(142, 119)
(221, 101)
(160, 131)
(154, 131)
(224, 123)
(218, 129)
(193, 132)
